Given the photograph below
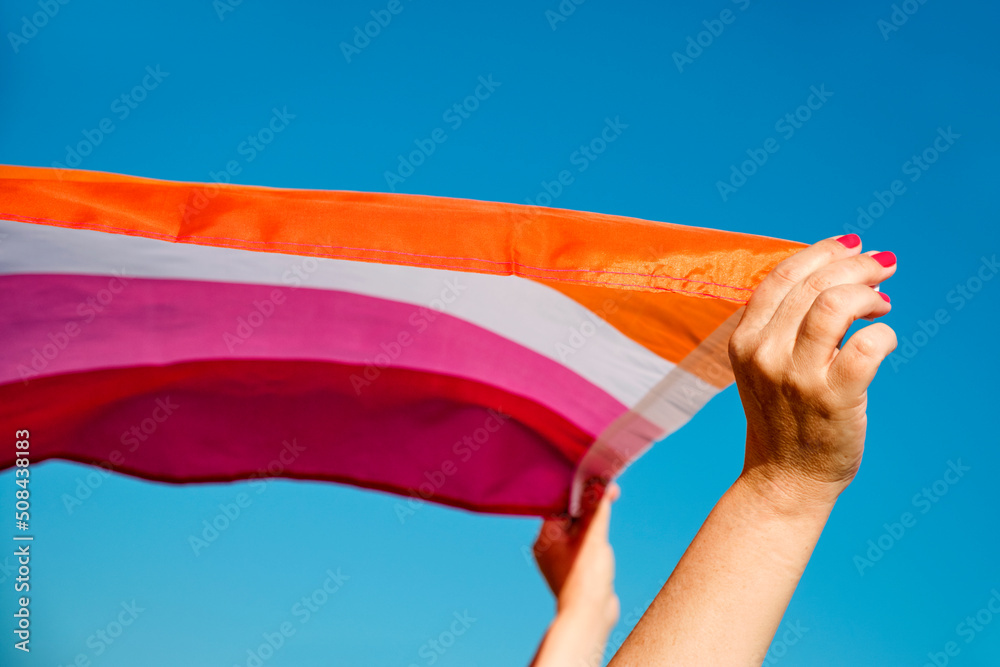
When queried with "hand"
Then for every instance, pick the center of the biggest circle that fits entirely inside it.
(576, 559)
(805, 397)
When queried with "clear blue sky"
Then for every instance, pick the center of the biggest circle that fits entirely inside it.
(888, 92)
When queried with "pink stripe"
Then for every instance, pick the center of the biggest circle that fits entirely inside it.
(116, 324)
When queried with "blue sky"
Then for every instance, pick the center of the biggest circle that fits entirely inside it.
(902, 124)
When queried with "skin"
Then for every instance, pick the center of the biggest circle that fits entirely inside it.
(805, 399)
(576, 559)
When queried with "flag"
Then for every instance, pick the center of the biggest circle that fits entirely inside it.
(490, 356)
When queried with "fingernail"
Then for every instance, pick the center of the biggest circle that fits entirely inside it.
(884, 258)
(850, 241)
(885, 297)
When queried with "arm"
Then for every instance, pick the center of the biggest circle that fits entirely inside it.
(805, 400)
(576, 559)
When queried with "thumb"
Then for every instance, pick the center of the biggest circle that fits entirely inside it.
(599, 522)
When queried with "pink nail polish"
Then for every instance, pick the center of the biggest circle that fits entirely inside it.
(886, 259)
(850, 240)
(885, 297)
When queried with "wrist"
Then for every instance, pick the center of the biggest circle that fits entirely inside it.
(786, 496)
(578, 634)
(592, 614)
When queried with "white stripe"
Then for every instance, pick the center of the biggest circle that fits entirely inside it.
(524, 311)
(666, 408)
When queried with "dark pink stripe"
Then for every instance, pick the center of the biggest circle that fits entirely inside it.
(115, 323)
(446, 439)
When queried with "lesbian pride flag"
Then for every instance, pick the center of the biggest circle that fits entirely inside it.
(483, 355)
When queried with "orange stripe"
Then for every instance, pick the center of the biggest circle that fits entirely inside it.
(669, 324)
(588, 256)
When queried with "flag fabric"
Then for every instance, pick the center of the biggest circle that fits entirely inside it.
(490, 356)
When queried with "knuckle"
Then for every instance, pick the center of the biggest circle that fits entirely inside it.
(869, 343)
(763, 361)
(831, 302)
(876, 341)
(739, 346)
(818, 281)
(785, 271)
(866, 347)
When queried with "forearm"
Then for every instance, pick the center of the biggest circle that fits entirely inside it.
(576, 638)
(805, 394)
(727, 595)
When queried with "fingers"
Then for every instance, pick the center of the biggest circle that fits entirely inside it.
(864, 270)
(832, 313)
(614, 492)
(598, 524)
(818, 294)
(855, 366)
(595, 516)
(773, 289)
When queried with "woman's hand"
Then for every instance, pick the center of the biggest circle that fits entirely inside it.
(576, 559)
(575, 556)
(805, 398)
